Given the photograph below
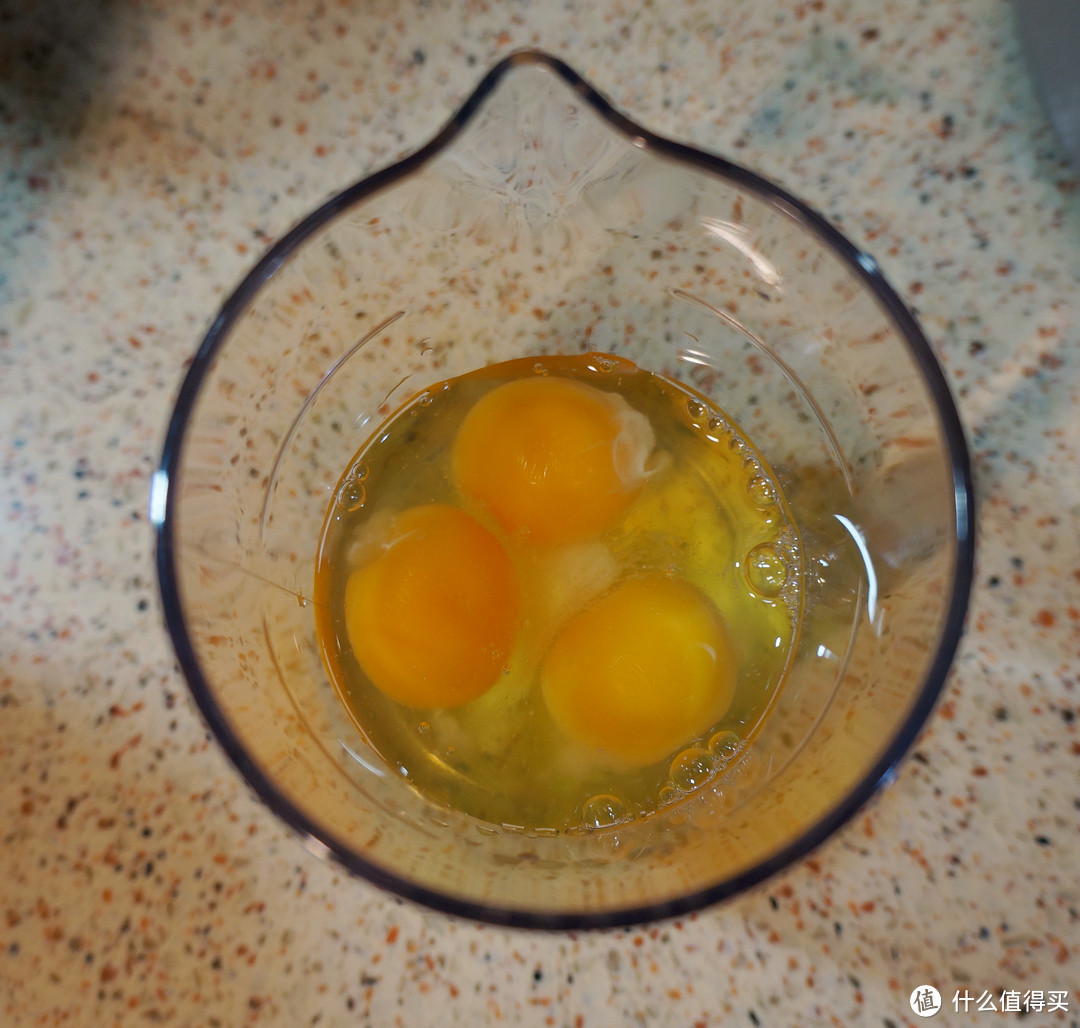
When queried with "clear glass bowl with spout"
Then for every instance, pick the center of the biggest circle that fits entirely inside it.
(541, 221)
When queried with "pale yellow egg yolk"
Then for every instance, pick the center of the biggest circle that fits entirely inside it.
(431, 617)
(550, 459)
(644, 669)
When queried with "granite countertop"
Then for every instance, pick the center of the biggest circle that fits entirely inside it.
(150, 152)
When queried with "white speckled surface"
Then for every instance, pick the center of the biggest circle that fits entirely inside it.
(149, 153)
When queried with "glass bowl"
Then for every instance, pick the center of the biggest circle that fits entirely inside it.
(541, 221)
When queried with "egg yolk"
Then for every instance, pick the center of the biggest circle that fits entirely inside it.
(431, 618)
(645, 668)
(551, 459)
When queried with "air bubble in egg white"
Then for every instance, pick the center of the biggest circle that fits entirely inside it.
(351, 496)
(765, 570)
(691, 769)
(724, 745)
(761, 491)
(603, 810)
(695, 409)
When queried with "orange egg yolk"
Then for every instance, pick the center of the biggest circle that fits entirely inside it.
(431, 617)
(550, 459)
(644, 669)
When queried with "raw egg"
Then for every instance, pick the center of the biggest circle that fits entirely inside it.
(644, 669)
(552, 460)
(431, 616)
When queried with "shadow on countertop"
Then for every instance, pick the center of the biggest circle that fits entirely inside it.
(54, 54)
(1049, 32)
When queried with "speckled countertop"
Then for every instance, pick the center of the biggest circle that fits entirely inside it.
(149, 152)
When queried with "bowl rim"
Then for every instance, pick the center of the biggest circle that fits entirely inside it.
(316, 837)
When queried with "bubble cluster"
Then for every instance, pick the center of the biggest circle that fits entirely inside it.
(787, 545)
(602, 810)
